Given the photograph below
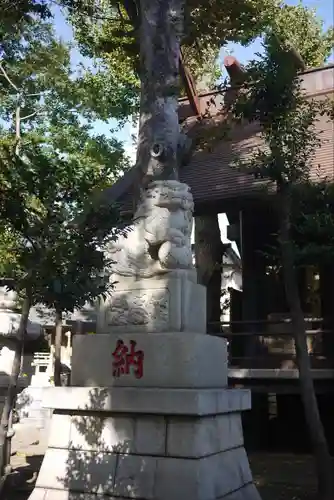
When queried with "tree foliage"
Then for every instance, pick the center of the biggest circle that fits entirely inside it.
(313, 223)
(274, 98)
(18, 14)
(52, 236)
(51, 165)
(110, 31)
(301, 28)
(56, 234)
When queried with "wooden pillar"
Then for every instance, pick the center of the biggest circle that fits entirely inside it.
(236, 347)
(326, 408)
(253, 274)
(209, 251)
(256, 423)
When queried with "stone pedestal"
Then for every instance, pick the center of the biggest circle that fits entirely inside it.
(151, 444)
(172, 360)
(149, 415)
(175, 433)
(166, 303)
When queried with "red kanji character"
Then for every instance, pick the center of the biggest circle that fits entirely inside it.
(119, 355)
(136, 359)
(123, 359)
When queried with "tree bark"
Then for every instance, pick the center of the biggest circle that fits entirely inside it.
(58, 343)
(323, 461)
(161, 24)
(209, 252)
(5, 430)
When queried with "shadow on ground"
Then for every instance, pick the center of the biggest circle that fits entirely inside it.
(22, 480)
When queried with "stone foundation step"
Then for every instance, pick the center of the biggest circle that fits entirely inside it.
(247, 492)
(145, 444)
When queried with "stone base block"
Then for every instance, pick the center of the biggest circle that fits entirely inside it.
(133, 400)
(175, 360)
(154, 436)
(145, 477)
(247, 492)
(169, 303)
(106, 455)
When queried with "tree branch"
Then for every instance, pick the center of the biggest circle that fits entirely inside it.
(8, 79)
(35, 95)
(29, 116)
(17, 129)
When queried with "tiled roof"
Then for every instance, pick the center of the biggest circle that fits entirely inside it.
(211, 175)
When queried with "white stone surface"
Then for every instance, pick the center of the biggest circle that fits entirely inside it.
(180, 360)
(170, 303)
(209, 478)
(95, 433)
(247, 492)
(233, 471)
(180, 479)
(148, 401)
(194, 438)
(125, 456)
(160, 240)
(82, 471)
(229, 430)
(43, 494)
(144, 435)
(39, 494)
(60, 429)
(150, 435)
(135, 476)
(145, 477)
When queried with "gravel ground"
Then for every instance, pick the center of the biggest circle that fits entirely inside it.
(284, 476)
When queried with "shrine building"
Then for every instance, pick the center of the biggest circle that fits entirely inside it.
(262, 352)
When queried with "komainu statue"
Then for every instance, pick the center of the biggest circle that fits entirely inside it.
(160, 240)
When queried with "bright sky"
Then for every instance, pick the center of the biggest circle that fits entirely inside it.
(324, 8)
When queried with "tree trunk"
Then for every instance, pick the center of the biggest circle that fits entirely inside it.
(326, 285)
(6, 432)
(58, 343)
(209, 252)
(323, 462)
(161, 24)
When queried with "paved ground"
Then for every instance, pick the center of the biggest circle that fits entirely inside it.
(28, 448)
